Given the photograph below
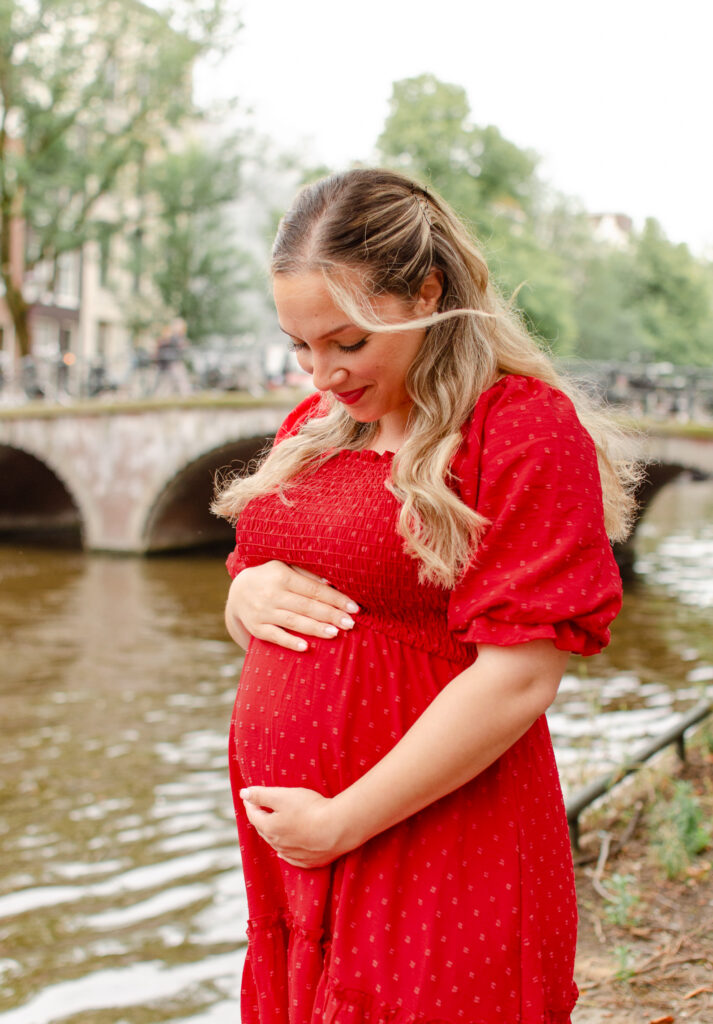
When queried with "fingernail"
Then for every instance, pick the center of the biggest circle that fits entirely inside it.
(244, 794)
(352, 607)
(347, 623)
(331, 630)
(302, 645)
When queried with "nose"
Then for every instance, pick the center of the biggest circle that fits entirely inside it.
(327, 374)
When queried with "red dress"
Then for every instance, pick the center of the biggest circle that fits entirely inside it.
(466, 911)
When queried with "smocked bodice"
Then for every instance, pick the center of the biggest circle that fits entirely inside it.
(341, 524)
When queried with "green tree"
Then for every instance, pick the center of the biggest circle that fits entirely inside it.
(428, 133)
(88, 88)
(652, 300)
(609, 324)
(671, 290)
(492, 184)
(190, 255)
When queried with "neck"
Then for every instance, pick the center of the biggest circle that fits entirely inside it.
(391, 434)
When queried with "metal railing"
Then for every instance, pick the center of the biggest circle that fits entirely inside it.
(577, 803)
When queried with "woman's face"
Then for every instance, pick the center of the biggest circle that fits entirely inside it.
(364, 371)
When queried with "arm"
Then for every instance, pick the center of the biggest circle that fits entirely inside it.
(474, 719)
(270, 599)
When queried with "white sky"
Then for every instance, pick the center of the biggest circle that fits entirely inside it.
(616, 96)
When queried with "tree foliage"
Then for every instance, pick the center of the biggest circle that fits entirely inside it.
(672, 295)
(492, 184)
(650, 299)
(192, 258)
(88, 88)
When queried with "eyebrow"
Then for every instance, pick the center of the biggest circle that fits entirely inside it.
(327, 334)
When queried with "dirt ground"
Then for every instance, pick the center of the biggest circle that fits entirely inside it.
(645, 951)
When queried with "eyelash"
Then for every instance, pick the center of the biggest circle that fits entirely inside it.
(298, 346)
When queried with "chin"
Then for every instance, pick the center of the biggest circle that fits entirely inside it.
(362, 417)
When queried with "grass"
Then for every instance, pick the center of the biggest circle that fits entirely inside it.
(623, 900)
(680, 830)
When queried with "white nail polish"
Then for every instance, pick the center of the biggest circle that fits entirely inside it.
(347, 623)
(352, 607)
(331, 630)
(302, 645)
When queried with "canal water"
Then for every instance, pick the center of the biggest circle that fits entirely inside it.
(121, 895)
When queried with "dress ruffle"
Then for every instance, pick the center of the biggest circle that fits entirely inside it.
(278, 942)
(349, 1006)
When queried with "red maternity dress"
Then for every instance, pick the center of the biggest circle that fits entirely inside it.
(465, 912)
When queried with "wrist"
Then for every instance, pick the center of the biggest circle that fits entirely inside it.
(350, 824)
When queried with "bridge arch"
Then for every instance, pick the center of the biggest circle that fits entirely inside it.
(133, 480)
(180, 515)
(658, 475)
(35, 498)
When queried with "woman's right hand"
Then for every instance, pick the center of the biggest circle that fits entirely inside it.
(270, 599)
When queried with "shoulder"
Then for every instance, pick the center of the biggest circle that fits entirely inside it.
(519, 410)
(518, 421)
(526, 406)
(308, 408)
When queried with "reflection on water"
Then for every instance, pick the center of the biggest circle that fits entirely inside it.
(660, 661)
(121, 880)
(120, 889)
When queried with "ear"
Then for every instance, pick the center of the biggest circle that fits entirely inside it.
(430, 293)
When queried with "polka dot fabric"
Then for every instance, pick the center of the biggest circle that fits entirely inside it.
(465, 912)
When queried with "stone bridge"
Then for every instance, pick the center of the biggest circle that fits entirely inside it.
(137, 479)
(127, 479)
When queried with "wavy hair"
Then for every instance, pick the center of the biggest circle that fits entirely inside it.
(372, 232)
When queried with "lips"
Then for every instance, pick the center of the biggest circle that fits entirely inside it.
(349, 397)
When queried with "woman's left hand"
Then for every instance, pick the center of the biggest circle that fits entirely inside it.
(301, 826)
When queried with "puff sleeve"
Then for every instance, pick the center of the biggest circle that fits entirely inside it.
(307, 408)
(543, 568)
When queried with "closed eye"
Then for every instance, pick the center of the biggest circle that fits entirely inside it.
(299, 346)
(355, 347)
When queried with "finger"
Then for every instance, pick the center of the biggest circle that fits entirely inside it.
(259, 820)
(318, 589)
(313, 619)
(261, 796)
(275, 635)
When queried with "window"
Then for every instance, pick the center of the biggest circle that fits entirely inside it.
(67, 280)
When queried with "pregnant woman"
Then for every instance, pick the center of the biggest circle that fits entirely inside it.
(416, 557)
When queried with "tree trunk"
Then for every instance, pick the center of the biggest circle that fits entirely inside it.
(12, 272)
(19, 311)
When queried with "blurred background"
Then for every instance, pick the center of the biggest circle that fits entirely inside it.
(146, 154)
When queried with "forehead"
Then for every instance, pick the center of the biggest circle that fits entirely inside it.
(299, 292)
(305, 306)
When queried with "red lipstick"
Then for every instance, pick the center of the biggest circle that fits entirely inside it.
(349, 397)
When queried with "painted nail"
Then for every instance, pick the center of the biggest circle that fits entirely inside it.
(244, 794)
(347, 623)
(331, 630)
(301, 645)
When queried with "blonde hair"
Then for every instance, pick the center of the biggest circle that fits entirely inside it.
(372, 232)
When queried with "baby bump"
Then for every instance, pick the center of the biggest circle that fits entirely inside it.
(322, 718)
